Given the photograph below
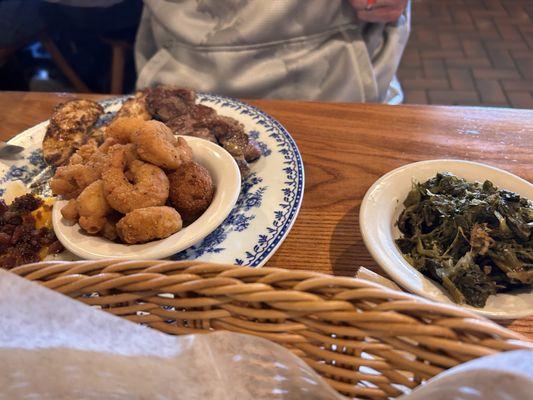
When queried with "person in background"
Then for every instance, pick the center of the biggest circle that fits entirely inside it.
(326, 50)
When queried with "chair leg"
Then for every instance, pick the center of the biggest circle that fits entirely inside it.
(117, 68)
(63, 65)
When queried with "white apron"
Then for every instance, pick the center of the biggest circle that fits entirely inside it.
(286, 49)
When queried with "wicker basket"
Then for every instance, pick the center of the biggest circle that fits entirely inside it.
(366, 340)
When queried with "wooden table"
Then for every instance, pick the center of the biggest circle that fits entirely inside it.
(345, 148)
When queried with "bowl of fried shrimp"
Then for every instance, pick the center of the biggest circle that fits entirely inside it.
(156, 194)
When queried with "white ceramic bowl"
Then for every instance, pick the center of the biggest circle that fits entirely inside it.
(227, 180)
(380, 210)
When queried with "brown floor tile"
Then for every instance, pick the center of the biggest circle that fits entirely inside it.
(516, 12)
(495, 5)
(517, 85)
(416, 97)
(470, 52)
(509, 32)
(491, 73)
(452, 96)
(505, 45)
(525, 66)
(461, 16)
(526, 28)
(521, 54)
(426, 83)
(461, 79)
(441, 54)
(411, 73)
(491, 91)
(411, 58)
(450, 41)
(500, 58)
(521, 99)
(474, 48)
(475, 62)
(434, 69)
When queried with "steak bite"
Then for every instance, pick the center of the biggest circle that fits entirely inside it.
(252, 151)
(136, 107)
(176, 107)
(166, 102)
(185, 125)
(202, 114)
(231, 136)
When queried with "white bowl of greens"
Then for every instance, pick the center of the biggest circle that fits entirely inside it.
(381, 209)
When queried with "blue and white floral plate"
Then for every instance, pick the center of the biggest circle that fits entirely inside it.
(270, 196)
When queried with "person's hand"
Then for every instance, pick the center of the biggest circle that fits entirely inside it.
(381, 11)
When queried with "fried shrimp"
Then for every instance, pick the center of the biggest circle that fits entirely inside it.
(106, 145)
(109, 231)
(150, 223)
(157, 145)
(85, 166)
(84, 153)
(93, 207)
(120, 155)
(93, 156)
(149, 187)
(70, 211)
(70, 180)
(121, 128)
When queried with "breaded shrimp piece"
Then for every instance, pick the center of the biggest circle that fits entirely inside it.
(93, 156)
(70, 180)
(70, 211)
(121, 128)
(106, 145)
(120, 155)
(149, 188)
(150, 223)
(109, 230)
(84, 153)
(93, 207)
(157, 144)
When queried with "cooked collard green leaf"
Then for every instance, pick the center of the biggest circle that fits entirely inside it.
(472, 238)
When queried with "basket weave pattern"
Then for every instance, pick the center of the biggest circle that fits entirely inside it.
(366, 340)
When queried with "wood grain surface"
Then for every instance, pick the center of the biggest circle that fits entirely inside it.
(345, 148)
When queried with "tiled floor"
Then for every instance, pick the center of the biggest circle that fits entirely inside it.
(470, 52)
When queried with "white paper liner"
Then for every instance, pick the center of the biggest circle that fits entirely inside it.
(53, 347)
